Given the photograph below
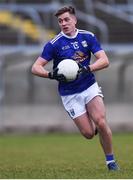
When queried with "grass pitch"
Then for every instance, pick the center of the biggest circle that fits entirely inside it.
(62, 156)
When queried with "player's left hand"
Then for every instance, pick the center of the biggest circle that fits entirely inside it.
(83, 69)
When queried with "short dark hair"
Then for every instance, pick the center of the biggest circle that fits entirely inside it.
(69, 9)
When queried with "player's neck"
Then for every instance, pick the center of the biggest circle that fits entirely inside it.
(72, 34)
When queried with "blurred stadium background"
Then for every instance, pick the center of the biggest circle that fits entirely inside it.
(31, 104)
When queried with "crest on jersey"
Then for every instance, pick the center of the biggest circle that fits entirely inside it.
(84, 43)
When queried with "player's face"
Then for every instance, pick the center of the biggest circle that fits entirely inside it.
(67, 23)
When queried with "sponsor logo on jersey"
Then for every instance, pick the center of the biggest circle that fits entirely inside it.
(79, 56)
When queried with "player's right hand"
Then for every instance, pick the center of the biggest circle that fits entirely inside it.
(54, 75)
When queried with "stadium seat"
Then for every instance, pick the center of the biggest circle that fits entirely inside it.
(26, 26)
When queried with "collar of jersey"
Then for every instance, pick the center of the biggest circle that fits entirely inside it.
(70, 37)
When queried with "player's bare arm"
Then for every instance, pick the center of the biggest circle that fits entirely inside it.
(101, 61)
(38, 68)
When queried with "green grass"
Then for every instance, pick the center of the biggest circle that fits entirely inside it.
(62, 156)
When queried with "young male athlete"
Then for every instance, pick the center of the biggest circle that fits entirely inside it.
(82, 98)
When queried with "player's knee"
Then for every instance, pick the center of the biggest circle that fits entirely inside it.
(100, 121)
(88, 135)
(101, 124)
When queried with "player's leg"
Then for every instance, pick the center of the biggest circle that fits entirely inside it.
(76, 108)
(96, 110)
(85, 125)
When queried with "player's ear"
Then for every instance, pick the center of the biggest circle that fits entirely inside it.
(75, 19)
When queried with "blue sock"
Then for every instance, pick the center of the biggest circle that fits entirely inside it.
(109, 158)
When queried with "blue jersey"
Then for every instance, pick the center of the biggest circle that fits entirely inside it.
(79, 48)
